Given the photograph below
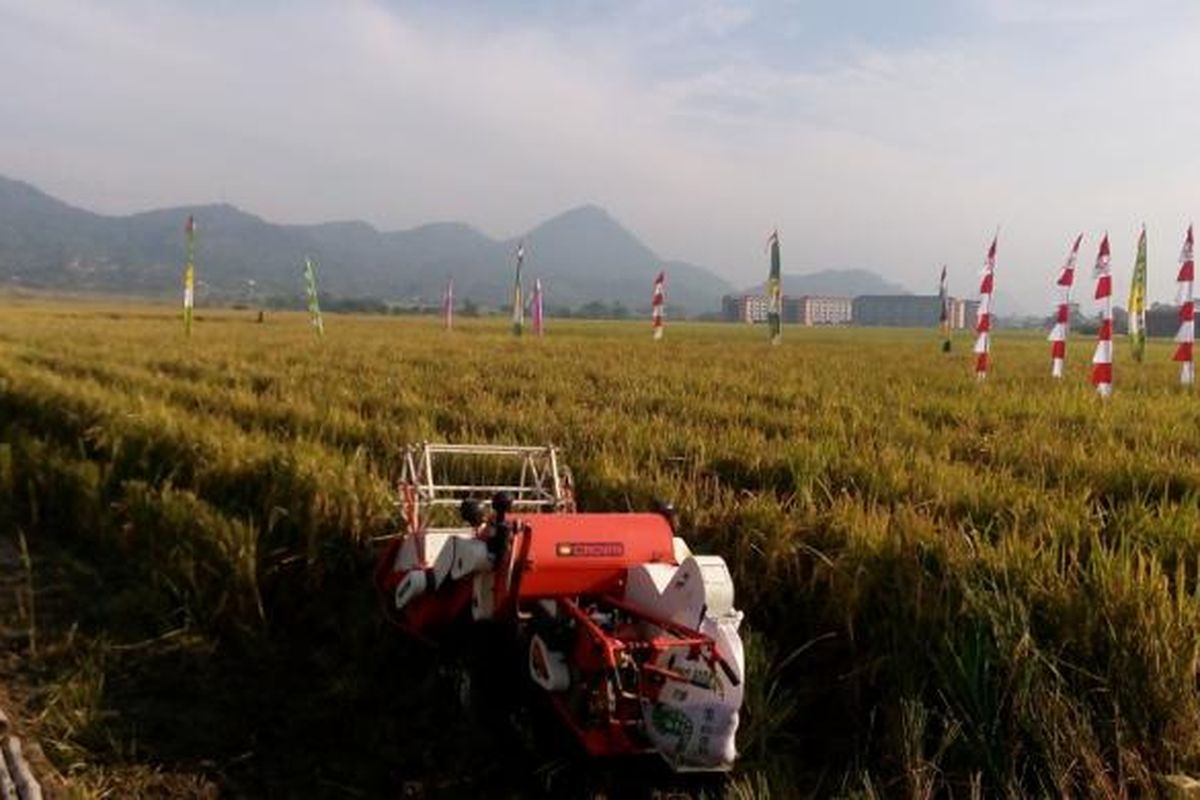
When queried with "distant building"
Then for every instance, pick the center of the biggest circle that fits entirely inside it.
(818, 310)
(1162, 320)
(963, 313)
(792, 310)
(911, 311)
(729, 308)
(747, 308)
(892, 310)
(806, 310)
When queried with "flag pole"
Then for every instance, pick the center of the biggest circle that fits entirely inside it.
(983, 323)
(537, 309)
(1062, 318)
(774, 291)
(944, 302)
(657, 300)
(314, 305)
(1186, 336)
(189, 274)
(1102, 360)
(1137, 301)
(518, 311)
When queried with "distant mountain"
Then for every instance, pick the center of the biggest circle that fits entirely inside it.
(582, 255)
(836, 283)
(585, 251)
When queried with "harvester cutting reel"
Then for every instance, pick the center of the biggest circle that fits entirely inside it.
(631, 637)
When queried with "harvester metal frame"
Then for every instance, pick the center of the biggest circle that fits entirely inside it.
(544, 484)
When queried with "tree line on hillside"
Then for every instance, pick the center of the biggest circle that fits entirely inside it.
(468, 307)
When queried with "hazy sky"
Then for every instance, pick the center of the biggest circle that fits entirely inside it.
(887, 135)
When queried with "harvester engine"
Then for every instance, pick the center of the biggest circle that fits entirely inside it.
(632, 637)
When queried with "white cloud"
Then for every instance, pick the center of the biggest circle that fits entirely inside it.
(1048, 118)
(1043, 12)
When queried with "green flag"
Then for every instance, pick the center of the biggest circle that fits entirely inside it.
(1137, 301)
(944, 321)
(518, 312)
(314, 307)
(189, 274)
(774, 292)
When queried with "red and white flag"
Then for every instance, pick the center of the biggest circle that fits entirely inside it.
(448, 305)
(1187, 313)
(1102, 361)
(656, 304)
(1062, 319)
(536, 309)
(983, 323)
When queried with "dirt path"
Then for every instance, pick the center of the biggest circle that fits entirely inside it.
(25, 772)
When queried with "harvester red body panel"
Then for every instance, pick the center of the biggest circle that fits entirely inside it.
(632, 637)
(565, 555)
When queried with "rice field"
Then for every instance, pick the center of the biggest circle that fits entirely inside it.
(954, 590)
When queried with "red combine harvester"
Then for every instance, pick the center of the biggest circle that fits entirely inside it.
(632, 638)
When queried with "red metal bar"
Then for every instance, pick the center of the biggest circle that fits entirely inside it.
(610, 643)
(683, 631)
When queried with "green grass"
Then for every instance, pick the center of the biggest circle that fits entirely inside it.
(955, 589)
